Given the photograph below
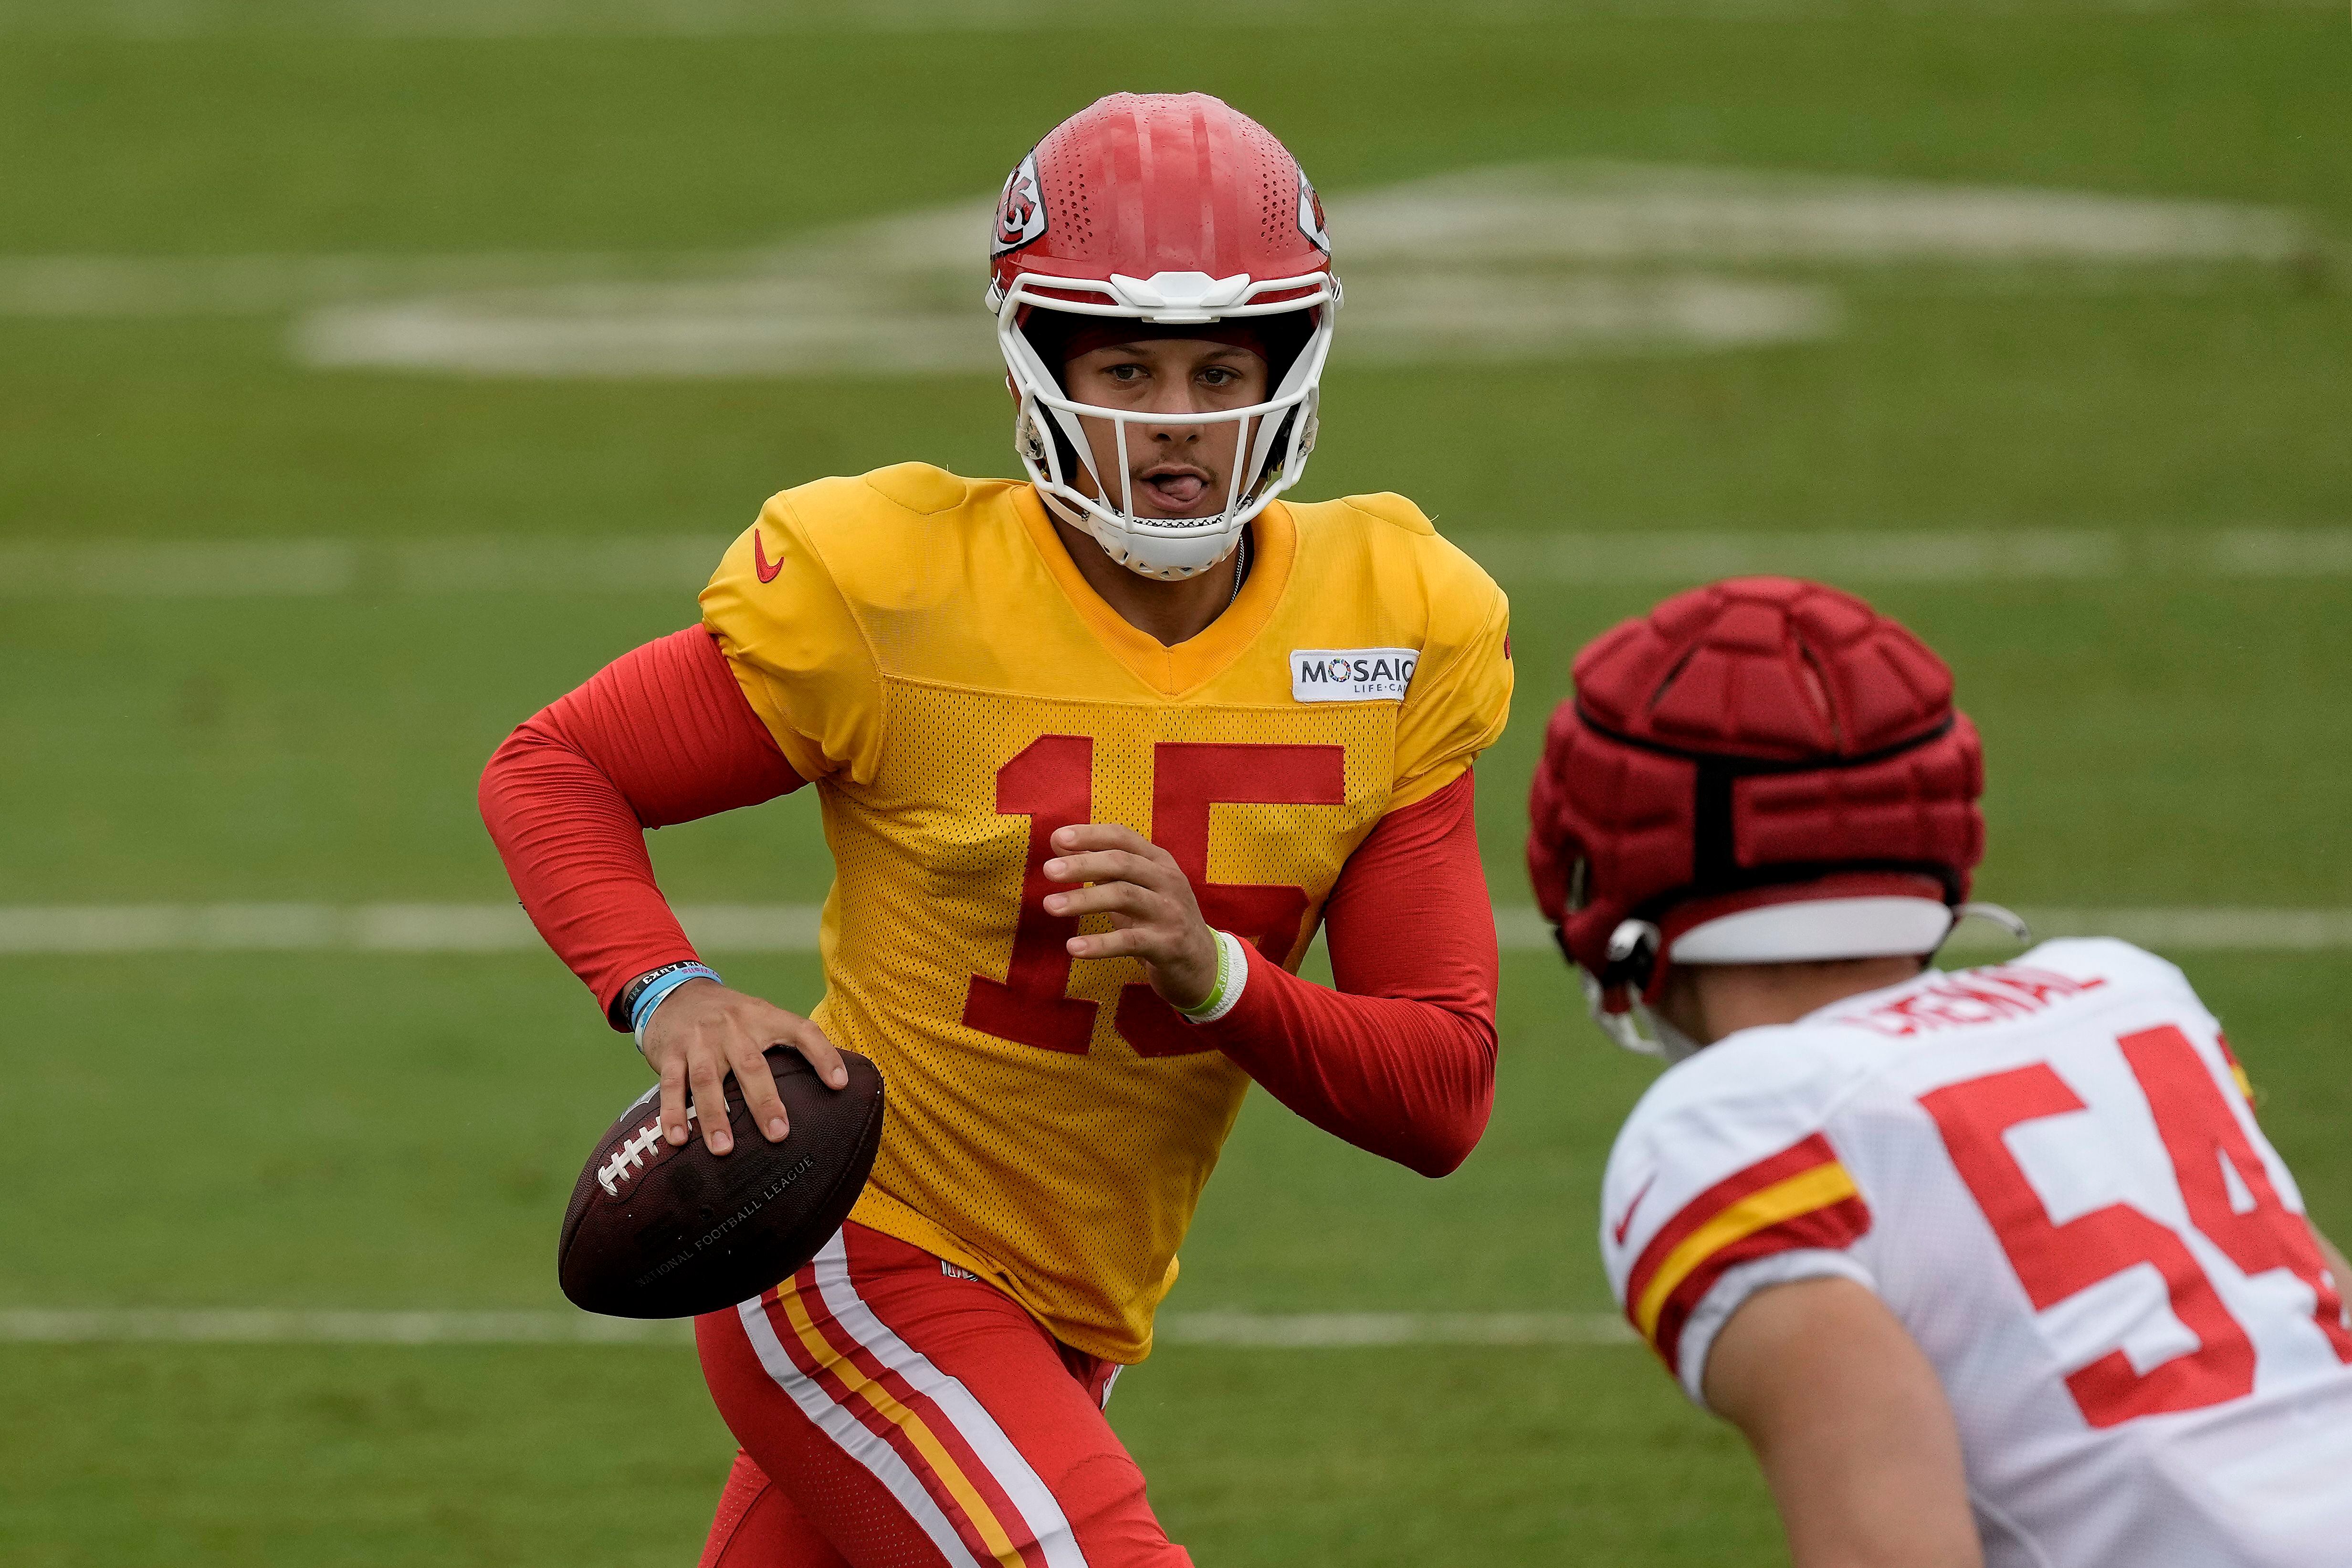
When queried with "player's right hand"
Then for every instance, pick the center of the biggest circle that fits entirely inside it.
(701, 1032)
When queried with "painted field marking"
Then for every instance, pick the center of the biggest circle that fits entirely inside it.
(61, 930)
(1511, 216)
(678, 564)
(491, 19)
(268, 1326)
(1544, 261)
(1339, 1330)
(331, 568)
(1236, 1329)
(2209, 930)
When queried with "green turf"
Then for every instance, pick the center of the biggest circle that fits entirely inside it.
(426, 1166)
(399, 1131)
(473, 1457)
(402, 1132)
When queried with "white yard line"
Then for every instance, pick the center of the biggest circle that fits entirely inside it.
(327, 568)
(488, 19)
(1256, 1331)
(68, 285)
(679, 564)
(1544, 261)
(2183, 930)
(1523, 930)
(264, 1326)
(1336, 1330)
(1657, 555)
(59, 930)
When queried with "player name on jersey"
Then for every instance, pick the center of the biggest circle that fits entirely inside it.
(2048, 1171)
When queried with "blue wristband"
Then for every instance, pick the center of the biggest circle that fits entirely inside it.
(657, 990)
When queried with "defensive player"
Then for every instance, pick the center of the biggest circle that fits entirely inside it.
(1096, 751)
(1992, 1266)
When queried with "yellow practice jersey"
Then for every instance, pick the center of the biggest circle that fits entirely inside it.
(925, 650)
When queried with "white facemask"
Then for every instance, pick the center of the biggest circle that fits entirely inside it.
(1270, 442)
(1637, 1028)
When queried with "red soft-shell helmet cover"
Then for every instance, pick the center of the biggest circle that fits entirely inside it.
(1757, 739)
(1141, 184)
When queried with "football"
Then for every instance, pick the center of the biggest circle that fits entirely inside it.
(655, 1231)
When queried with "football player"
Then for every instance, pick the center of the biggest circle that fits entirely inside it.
(1097, 751)
(1988, 1266)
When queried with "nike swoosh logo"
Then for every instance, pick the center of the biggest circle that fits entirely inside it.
(1619, 1229)
(766, 568)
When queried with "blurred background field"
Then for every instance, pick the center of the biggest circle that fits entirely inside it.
(369, 373)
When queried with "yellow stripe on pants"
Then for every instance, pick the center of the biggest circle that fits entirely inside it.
(926, 1441)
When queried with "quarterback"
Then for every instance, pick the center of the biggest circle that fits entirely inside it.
(1097, 751)
(1990, 1266)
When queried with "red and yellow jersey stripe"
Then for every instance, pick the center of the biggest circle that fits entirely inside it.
(1801, 1197)
(2237, 1073)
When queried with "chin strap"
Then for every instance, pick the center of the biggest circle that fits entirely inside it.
(1631, 1025)
(1614, 996)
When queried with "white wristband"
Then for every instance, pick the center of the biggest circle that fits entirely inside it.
(1232, 976)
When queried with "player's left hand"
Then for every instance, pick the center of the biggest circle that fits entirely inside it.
(1153, 915)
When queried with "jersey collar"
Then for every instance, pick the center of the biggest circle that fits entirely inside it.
(1172, 671)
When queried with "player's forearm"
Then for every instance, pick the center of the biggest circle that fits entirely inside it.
(1407, 1081)
(577, 857)
(661, 735)
(1400, 1059)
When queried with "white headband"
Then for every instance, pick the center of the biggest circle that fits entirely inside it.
(1812, 929)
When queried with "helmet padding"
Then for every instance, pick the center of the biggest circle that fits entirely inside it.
(1758, 742)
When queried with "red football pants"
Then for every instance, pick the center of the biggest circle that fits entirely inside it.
(894, 1413)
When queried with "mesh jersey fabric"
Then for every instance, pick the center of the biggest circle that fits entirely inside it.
(1397, 1057)
(2048, 1171)
(923, 648)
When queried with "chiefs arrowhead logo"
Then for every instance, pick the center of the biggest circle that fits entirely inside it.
(1021, 212)
(1310, 215)
(766, 568)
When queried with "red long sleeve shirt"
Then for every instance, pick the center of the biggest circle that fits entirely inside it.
(1400, 1060)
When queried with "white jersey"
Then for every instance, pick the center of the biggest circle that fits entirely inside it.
(2049, 1171)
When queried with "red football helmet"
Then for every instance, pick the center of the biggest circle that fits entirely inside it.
(1170, 209)
(1761, 770)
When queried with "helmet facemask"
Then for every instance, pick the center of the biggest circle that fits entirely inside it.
(1270, 440)
(1619, 997)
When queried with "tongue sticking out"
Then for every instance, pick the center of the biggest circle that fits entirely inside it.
(1176, 489)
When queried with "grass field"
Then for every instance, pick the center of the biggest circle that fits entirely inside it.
(249, 1130)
